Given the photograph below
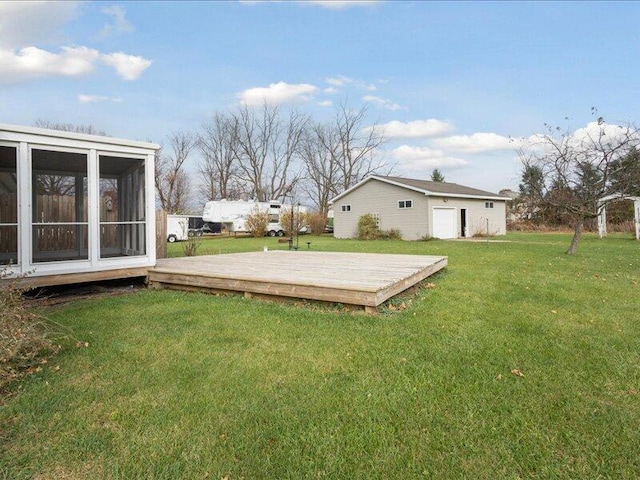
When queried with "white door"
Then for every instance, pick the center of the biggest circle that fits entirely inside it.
(444, 223)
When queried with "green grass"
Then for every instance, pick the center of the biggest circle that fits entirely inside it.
(184, 385)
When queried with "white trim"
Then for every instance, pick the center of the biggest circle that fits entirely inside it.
(45, 132)
(93, 207)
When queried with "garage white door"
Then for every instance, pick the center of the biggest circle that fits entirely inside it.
(444, 223)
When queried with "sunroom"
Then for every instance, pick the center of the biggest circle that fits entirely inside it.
(75, 207)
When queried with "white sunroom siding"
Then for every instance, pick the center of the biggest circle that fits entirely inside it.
(382, 198)
(25, 140)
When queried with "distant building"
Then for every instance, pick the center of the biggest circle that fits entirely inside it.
(420, 208)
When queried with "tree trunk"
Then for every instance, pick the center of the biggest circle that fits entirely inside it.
(577, 234)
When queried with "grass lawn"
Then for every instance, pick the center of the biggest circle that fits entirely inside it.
(185, 385)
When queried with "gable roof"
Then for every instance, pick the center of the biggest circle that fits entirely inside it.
(439, 189)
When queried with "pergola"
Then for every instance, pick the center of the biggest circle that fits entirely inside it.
(602, 209)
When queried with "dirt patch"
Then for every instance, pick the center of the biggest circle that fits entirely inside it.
(61, 294)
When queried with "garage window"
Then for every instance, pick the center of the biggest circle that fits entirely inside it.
(405, 204)
(346, 208)
(488, 204)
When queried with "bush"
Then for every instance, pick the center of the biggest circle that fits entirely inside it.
(368, 230)
(190, 246)
(299, 220)
(317, 223)
(392, 234)
(25, 338)
(257, 222)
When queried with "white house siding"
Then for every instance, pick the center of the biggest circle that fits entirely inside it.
(381, 198)
(477, 214)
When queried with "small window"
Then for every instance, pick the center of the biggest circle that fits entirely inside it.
(488, 204)
(405, 204)
(346, 208)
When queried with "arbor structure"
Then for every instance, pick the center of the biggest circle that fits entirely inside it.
(572, 172)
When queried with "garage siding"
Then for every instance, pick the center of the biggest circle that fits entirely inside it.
(382, 198)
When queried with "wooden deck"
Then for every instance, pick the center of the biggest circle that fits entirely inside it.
(363, 279)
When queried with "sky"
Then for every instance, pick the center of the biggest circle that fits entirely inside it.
(451, 82)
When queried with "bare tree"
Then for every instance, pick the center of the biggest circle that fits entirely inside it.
(51, 184)
(172, 182)
(320, 153)
(358, 148)
(577, 169)
(339, 154)
(267, 148)
(219, 167)
(68, 127)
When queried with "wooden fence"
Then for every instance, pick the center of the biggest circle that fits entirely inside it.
(161, 234)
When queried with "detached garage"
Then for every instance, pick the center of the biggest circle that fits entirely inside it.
(420, 208)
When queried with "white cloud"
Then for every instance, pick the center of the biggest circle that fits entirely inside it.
(330, 4)
(342, 81)
(412, 158)
(119, 23)
(338, 81)
(325, 103)
(341, 4)
(27, 23)
(417, 129)
(32, 62)
(476, 143)
(82, 98)
(277, 93)
(382, 102)
(330, 90)
(129, 67)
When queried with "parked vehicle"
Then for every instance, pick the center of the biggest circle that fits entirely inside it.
(177, 228)
(232, 214)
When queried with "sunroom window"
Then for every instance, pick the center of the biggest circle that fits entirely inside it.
(8, 206)
(59, 225)
(122, 207)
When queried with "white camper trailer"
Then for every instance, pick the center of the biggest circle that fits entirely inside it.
(177, 228)
(233, 214)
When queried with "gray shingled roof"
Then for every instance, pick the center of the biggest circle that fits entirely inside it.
(441, 187)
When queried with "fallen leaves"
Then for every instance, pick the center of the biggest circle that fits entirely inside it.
(517, 372)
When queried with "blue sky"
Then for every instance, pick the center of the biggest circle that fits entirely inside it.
(451, 81)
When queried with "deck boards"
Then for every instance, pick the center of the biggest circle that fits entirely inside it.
(364, 279)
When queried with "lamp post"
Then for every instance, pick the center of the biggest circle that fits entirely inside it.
(291, 229)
